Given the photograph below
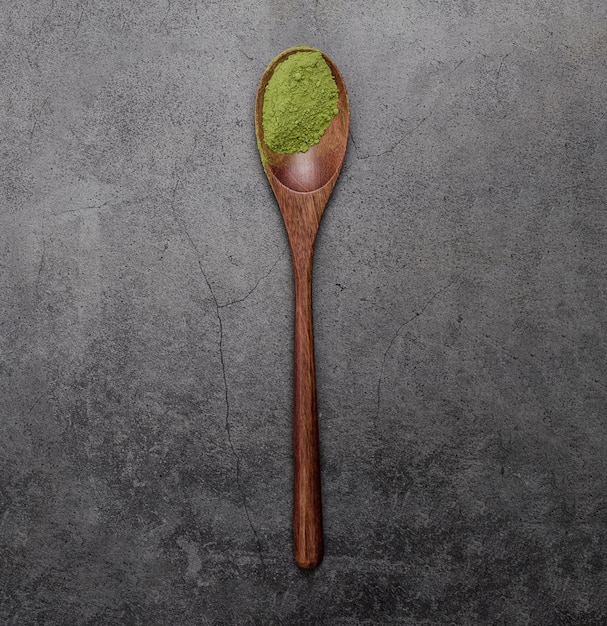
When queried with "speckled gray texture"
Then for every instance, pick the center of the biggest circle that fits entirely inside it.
(146, 317)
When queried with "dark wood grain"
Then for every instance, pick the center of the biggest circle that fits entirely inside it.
(302, 183)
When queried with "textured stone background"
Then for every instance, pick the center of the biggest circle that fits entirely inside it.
(146, 317)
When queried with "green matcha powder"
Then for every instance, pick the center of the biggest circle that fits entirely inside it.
(299, 103)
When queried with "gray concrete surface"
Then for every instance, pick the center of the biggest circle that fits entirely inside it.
(146, 317)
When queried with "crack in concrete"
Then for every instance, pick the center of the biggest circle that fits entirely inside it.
(80, 18)
(166, 15)
(182, 227)
(42, 263)
(47, 16)
(354, 144)
(391, 148)
(35, 115)
(263, 277)
(227, 421)
(245, 54)
(95, 207)
(33, 406)
(457, 65)
(394, 337)
(499, 71)
(78, 210)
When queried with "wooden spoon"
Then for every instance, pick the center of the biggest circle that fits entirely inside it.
(302, 183)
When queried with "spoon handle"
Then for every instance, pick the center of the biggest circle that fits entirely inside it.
(307, 504)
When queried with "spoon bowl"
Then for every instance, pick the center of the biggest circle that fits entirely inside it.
(302, 183)
(306, 171)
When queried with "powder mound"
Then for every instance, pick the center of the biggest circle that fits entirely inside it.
(299, 103)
